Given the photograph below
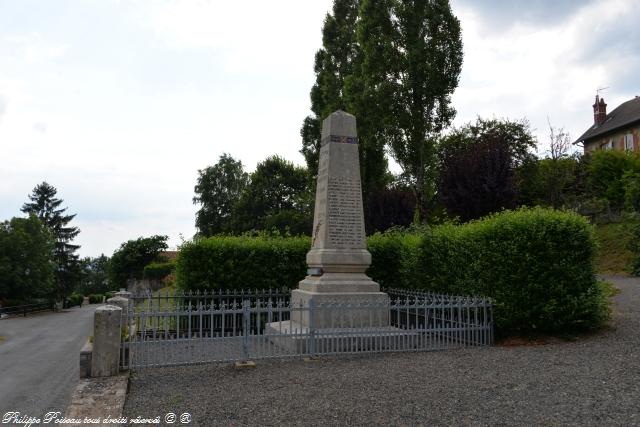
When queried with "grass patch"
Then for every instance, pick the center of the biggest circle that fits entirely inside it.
(613, 256)
(159, 303)
(608, 288)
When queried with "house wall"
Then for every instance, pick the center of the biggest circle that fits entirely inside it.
(617, 138)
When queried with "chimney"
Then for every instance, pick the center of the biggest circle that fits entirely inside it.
(599, 111)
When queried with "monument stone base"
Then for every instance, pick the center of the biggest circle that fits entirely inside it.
(339, 300)
(295, 338)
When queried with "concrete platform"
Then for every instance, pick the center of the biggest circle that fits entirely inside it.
(295, 338)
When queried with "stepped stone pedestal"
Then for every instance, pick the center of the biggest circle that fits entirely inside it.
(339, 257)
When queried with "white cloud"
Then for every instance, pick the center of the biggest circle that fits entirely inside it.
(32, 48)
(248, 35)
(533, 71)
(3, 106)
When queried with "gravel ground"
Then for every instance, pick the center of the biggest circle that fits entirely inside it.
(592, 381)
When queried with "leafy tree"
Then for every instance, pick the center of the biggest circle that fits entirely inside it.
(516, 135)
(94, 275)
(478, 179)
(129, 260)
(277, 196)
(412, 58)
(26, 260)
(550, 181)
(388, 208)
(218, 188)
(481, 165)
(339, 86)
(46, 207)
(606, 169)
(631, 182)
(333, 62)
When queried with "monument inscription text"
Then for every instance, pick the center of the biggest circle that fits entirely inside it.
(346, 228)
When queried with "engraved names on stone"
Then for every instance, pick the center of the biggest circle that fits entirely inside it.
(346, 228)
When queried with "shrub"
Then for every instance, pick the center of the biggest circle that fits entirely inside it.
(606, 170)
(631, 181)
(95, 298)
(74, 300)
(537, 265)
(237, 262)
(159, 270)
(634, 246)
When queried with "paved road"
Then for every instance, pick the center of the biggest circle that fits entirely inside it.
(39, 359)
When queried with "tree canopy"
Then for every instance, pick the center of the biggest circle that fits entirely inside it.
(129, 260)
(277, 196)
(412, 58)
(339, 86)
(217, 191)
(26, 260)
(479, 164)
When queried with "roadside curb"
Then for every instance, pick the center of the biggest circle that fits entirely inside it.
(101, 398)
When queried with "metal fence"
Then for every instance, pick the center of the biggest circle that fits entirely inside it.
(190, 330)
(23, 310)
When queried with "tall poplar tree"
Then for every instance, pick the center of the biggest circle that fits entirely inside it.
(337, 87)
(412, 58)
(46, 207)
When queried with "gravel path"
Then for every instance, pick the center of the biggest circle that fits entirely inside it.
(592, 381)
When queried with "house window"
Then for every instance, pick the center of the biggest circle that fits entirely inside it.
(628, 142)
(607, 145)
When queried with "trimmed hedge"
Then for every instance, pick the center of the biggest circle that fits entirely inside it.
(241, 262)
(95, 298)
(536, 264)
(634, 247)
(158, 270)
(75, 299)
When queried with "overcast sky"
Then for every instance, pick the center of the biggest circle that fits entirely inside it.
(119, 103)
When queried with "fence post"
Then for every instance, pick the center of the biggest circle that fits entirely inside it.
(312, 329)
(246, 324)
(105, 360)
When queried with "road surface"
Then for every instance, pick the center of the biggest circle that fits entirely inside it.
(39, 359)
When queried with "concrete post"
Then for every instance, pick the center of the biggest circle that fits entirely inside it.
(119, 301)
(106, 341)
(123, 293)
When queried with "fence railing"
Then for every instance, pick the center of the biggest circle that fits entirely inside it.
(241, 329)
(23, 310)
(148, 301)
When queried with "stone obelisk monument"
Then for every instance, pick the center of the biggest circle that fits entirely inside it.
(338, 257)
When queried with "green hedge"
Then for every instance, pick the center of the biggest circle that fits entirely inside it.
(536, 264)
(75, 299)
(634, 247)
(95, 298)
(225, 262)
(158, 270)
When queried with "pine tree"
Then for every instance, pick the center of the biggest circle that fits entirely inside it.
(46, 207)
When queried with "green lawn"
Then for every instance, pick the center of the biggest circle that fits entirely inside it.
(613, 256)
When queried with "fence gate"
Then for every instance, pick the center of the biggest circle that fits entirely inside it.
(182, 329)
